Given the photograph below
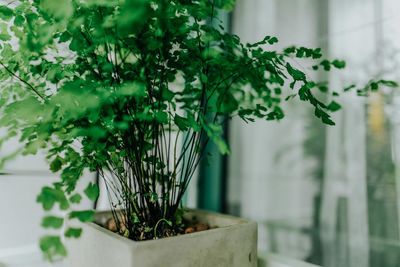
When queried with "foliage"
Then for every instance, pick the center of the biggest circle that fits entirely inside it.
(126, 88)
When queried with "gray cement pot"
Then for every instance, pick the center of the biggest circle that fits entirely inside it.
(232, 244)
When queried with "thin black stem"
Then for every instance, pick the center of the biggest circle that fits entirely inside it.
(22, 80)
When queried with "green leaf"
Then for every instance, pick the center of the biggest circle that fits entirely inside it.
(182, 123)
(273, 40)
(317, 53)
(73, 232)
(76, 44)
(92, 191)
(6, 13)
(4, 34)
(162, 117)
(339, 64)
(304, 92)
(65, 36)
(167, 94)
(132, 14)
(276, 114)
(290, 50)
(50, 196)
(389, 83)
(75, 199)
(93, 132)
(83, 216)
(227, 103)
(52, 222)
(326, 64)
(56, 164)
(19, 20)
(323, 88)
(334, 106)
(60, 9)
(52, 246)
(295, 73)
(327, 120)
(278, 91)
(32, 147)
(374, 86)
(132, 89)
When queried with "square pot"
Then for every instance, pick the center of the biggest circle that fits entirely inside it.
(232, 244)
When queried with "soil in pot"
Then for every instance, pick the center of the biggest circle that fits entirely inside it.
(143, 232)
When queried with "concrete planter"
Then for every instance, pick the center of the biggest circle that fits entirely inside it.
(233, 244)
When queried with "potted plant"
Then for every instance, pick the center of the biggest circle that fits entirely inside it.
(134, 90)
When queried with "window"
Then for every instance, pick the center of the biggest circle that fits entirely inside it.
(328, 196)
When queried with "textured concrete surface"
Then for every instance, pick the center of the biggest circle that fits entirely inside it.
(232, 244)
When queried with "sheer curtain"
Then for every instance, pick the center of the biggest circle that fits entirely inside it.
(325, 195)
(272, 181)
(344, 193)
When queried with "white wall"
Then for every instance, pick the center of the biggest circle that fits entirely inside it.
(20, 183)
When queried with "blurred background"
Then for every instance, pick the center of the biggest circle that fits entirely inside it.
(323, 195)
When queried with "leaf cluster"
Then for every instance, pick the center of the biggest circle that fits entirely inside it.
(134, 90)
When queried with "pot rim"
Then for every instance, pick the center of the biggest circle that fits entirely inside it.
(237, 222)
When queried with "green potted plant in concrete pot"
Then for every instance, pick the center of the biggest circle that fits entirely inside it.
(134, 90)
